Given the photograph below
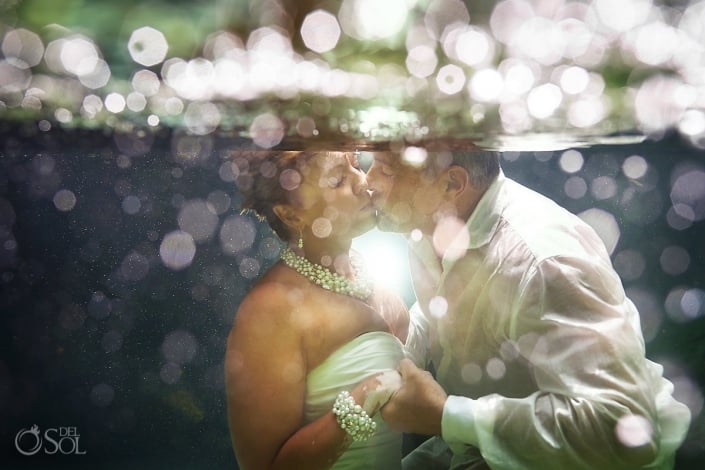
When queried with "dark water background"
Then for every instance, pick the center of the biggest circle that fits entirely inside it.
(97, 333)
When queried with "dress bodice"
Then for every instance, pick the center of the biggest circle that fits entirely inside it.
(365, 355)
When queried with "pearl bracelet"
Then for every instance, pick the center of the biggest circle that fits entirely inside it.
(352, 418)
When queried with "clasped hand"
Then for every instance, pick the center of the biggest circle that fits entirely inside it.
(417, 406)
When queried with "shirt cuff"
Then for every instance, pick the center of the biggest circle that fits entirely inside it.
(458, 423)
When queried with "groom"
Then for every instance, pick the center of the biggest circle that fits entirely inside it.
(538, 353)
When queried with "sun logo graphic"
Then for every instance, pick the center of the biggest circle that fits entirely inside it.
(63, 440)
(28, 441)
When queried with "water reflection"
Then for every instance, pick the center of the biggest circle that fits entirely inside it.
(514, 66)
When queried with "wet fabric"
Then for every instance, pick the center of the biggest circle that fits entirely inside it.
(533, 335)
(365, 355)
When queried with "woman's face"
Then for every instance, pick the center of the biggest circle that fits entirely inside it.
(332, 199)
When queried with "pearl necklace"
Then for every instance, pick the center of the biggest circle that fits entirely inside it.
(360, 288)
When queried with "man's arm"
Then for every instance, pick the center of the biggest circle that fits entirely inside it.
(595, 405)
(417, 346)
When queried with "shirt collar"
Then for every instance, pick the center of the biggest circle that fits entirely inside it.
(482, 222)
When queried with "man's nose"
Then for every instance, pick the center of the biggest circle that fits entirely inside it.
(361, 184)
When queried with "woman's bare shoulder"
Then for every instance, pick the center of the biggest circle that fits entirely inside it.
(271, 307)
(269, 293)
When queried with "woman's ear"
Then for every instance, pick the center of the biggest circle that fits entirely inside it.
(288, 215)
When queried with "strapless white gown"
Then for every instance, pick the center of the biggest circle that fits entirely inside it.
(363, 356)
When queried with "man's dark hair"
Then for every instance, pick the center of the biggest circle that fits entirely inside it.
(482, 165)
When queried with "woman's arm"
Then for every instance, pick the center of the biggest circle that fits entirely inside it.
(265, 373)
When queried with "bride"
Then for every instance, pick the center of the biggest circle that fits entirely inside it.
(313, 338)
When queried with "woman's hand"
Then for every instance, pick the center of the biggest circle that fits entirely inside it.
(374, 392)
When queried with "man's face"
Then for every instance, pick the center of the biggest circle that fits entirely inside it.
(405, 197)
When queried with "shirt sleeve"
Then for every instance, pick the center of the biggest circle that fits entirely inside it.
(594, 406)
(458, 423)
(417, 346)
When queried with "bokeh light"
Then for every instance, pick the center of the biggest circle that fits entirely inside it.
(147, 46)
(605, 225)
(320, 31)
(634, 431)
(177, 250)
(583, 67)
(123, 252)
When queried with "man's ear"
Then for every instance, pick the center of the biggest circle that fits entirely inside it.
(288, 215)
(457, 180)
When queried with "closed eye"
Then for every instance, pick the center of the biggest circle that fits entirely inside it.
(381, 168)
(387, 170)
(336, 182)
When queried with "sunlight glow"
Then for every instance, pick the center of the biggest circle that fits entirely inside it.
(370, 19)
(385, 256)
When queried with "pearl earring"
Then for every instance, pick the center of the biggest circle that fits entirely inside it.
(300, 243)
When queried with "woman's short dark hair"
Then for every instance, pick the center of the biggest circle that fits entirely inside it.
(258, 175)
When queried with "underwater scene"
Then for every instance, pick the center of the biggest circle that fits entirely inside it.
(124, 250)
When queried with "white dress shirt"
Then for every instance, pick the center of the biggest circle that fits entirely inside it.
(538, 347)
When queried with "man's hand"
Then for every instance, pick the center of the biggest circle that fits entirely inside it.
(417, 407)
(373, 392)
